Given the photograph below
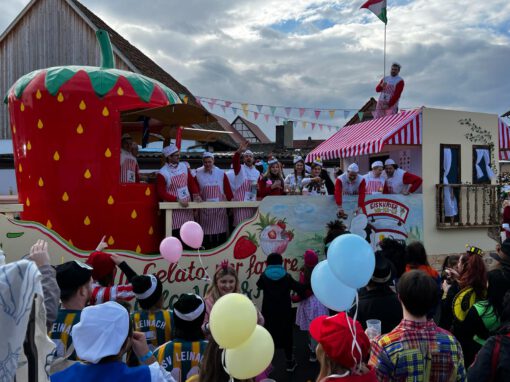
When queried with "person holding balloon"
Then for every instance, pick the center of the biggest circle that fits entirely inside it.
(343, 349)
(276, 285)
(225, 281)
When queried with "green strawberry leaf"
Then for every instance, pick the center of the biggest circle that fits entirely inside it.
(58, 76)
(14, 235)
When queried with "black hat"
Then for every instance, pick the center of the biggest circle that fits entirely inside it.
(72, 275)
(147, 289)
(189, 312)
(382, 272)
(274, 259)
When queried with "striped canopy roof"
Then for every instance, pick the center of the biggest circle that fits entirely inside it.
(371, 136)
(504, 140)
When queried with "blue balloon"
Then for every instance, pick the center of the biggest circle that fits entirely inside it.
(329, 290)
(352, 260)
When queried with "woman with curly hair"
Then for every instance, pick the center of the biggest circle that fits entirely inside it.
(468, 287)
(335, 229)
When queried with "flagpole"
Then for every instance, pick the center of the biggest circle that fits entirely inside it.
(384, 60)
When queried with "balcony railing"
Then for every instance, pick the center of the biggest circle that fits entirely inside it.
(477, 206)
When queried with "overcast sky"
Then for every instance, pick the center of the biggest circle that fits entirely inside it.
(319, 53)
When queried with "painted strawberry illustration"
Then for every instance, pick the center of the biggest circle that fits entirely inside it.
(274, 238)
(245, 246)
(66, 128)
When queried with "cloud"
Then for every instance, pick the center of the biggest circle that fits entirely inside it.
(321, 53)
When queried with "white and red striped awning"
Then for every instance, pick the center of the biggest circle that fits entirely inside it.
(504, 140)
(371, 136)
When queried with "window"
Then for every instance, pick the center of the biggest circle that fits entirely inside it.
(482, 171)
(449, 173)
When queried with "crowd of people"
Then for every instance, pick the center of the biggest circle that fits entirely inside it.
(450, 325)
(177, 182)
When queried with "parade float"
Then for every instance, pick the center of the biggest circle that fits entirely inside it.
(67, 124)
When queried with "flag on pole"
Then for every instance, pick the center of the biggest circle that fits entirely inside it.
(378, 8)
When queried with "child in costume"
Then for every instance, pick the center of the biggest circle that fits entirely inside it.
(182, 355)
(152, 320)
(310, 307)
(277, 284)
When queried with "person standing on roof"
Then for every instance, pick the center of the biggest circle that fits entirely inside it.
(391, 88)
(399, 181)
(246, 182)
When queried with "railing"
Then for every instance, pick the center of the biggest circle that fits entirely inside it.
(477, 206)
(9, 205)
(170, 206)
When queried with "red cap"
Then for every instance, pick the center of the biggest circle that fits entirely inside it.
(334, 335)
(102, 265)
(311, 258)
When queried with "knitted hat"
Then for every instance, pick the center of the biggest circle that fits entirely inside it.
(311, 258)
(147, 289)
(189, 313)
(336, 338)
(102, 263)
(72, 275)
(274, 259)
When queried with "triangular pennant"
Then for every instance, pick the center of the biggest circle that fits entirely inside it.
(304, 123)
(346, 114)
(360, 115)
(321, 126)
(288, 110)
(211, 105)
(234, 110)
(273, 109)
(266, 117)
(329, 128)
(332, 114)
(313, 125)
(245, 109)
(259, 108)
(185, 99)
(301, 112)
(337, 128)
(317, 114)
(256, 115)
(228, 103)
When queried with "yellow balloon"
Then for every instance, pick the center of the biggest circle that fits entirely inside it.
(232, 320)
(252, 357)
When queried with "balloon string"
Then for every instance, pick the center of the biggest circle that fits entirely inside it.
(352, 328)
(208, 278)
(224, 364)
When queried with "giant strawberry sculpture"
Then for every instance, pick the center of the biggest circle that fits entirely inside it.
(66, 133)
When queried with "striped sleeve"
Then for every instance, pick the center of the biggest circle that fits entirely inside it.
(102, 294)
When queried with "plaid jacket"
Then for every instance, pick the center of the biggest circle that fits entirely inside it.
(418, 352)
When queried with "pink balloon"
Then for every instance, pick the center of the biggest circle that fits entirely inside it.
(192, 234)
(171, 249)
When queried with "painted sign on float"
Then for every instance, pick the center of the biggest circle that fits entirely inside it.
(284, 224)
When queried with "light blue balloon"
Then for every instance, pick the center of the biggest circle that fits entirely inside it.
(352, 260)
(329, 290)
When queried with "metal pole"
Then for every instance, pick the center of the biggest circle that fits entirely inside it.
(384, 61)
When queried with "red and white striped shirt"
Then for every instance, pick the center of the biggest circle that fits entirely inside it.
(373, 184)
(176, 178)
(129, 170)
(214, 187)
(102, 294)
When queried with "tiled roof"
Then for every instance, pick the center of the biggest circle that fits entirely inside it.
(254, 129)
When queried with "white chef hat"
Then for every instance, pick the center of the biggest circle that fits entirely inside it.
(353, 167)
(298, 158)
(377, 163)
(169, 150)
(389, 162)
(272, 160)
(101, 332)
(207, 154)
(248, 152)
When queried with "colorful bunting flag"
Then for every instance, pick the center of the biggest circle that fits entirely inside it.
(346, 114)
(228, 103)
(273, 110)
(313, 125)
(332, 114)
(259, 108)
(304, 123)
(320, 127)
(301, 112)
(317, 114)
(245, 109)
(266, 117)
(211, 105)
(256, 115)
(360, 116)
(287, 110)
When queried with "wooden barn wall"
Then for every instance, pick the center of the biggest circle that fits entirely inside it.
(51, 33)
